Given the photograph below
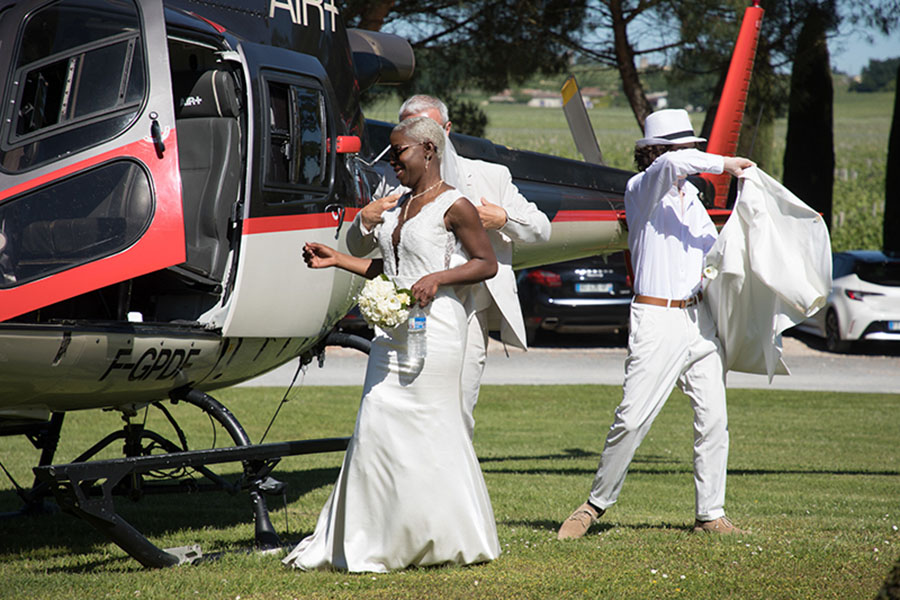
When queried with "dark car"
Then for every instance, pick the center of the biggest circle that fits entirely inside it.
(586, 295)
(353, 322)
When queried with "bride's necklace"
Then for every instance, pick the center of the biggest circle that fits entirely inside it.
(422, 193)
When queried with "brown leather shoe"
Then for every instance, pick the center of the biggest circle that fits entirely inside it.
(579, 522)
(721, 525)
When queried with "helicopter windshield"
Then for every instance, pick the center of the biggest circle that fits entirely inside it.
(81, 71)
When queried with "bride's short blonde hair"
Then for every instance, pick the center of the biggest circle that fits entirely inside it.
(421, 130)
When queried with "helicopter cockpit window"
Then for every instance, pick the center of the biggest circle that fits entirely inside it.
(72, 222)
(298, 152)
(80, 80)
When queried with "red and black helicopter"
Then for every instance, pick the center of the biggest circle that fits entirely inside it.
(162, 163)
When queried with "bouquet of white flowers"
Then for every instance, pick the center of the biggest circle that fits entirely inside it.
(382, 303)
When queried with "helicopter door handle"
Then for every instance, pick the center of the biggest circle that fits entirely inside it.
(156, 136)
(338, 211)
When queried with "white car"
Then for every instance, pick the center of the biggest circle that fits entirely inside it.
(864, 303)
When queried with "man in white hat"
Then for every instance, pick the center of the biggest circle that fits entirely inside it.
(673, 335)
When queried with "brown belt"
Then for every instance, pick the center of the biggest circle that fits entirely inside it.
(640, 299)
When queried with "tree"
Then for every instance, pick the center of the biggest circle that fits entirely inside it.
(483, 44)
(489, 44)
(710, 51)
(607, 35)
(809, 150)
(369, 14)
(620, 16)
(884, 15)
(892, 180)
(877, 76)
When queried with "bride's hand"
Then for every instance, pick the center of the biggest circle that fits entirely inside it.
(319, 256)
(425, 289)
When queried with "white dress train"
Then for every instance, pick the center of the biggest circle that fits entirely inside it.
(410, 491)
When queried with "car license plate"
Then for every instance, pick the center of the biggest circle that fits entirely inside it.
(594, 288)
(893, 325)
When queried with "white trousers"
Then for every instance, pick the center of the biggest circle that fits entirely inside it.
(668, 346)
(473, 366)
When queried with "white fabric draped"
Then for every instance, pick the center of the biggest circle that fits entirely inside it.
(769, 270)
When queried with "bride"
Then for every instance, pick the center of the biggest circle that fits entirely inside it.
(410, 491)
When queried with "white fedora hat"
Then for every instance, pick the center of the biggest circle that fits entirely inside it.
(668, 127)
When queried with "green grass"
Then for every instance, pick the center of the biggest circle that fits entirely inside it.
(861, 126)
(815, 476)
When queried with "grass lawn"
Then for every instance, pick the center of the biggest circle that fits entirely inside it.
(815, 476)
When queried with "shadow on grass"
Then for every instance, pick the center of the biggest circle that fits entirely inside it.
(599, 527)
(813, 472)
(589, 471)
(646, 464)
(180, 514)
(119, 564)
(891, 588)
(489, 464)
(564, 454)
(154, 516)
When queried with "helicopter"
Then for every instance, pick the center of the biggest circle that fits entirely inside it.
(162, 163)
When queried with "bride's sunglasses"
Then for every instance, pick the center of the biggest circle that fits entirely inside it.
(395, 151)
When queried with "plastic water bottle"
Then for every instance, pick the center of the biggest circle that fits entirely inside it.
(416, 345)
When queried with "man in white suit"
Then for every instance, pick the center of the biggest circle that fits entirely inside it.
(508, 218)
(672, 338)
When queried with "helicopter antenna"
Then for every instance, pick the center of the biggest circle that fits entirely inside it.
(300, 367)
(20, 491)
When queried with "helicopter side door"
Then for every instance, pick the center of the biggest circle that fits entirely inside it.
(299, 193)
(90, 192)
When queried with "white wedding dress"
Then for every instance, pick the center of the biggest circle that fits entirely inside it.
(410, 491)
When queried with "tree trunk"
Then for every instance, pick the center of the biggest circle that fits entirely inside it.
(372, 17)
(757, 138)
(713, 106)
(809, 148)
(631, 81)
(892, 182)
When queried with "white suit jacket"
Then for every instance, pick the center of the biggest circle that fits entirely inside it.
(525, 224)
(769, 270)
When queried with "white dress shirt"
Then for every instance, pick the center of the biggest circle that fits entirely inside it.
(669, 230)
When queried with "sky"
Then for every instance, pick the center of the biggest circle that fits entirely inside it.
(850, 54)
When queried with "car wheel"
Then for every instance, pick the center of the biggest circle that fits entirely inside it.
(833, 340)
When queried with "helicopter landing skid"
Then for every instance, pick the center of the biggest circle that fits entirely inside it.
(86, 489)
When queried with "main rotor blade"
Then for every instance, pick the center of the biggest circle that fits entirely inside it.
(580, 123)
